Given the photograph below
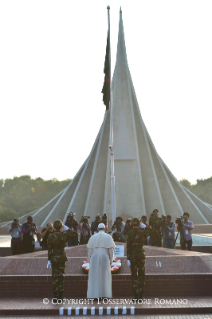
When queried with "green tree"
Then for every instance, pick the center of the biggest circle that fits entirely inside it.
(186, 183)
(202, 188)
(7, 214)
(23, 194)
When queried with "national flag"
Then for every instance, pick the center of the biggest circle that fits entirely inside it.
(106, 86)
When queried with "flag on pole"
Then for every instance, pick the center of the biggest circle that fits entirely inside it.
(106, 85)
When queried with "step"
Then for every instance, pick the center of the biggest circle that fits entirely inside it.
(107, 307)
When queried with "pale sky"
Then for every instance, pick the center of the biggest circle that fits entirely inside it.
(51, 75)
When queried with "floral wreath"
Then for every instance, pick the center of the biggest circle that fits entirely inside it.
(115, 266)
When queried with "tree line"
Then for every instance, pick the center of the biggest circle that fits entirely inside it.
(22, 195)
(202, 188)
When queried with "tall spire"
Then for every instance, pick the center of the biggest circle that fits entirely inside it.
(121, 55)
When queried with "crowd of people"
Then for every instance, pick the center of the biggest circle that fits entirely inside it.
(26, 238)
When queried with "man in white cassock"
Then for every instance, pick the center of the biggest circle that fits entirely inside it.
(100, 257)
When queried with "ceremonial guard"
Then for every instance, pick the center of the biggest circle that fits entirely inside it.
(136, 257)
(57, 256)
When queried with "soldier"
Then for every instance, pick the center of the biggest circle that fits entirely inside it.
(136, 257)
(57, 256)
(155, 223)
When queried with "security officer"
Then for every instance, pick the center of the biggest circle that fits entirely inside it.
(155, 223)
(57, 256)
(136, 257)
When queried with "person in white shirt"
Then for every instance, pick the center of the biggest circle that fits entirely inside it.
(16, 242)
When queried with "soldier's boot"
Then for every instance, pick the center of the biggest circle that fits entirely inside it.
(140, 295)
(60, 295)
(54, 300)
(135, 297)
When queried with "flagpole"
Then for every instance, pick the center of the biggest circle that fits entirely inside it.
(112, 174)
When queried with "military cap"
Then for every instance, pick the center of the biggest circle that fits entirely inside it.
(58, 223)
(135, 221)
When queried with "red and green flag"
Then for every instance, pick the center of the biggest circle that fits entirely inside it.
(106, 85)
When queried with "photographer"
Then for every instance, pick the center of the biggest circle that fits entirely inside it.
(72, 224)
(144, 222)
(45, 234)
(38, 246)
(155, 223)
(29, 229)
(104, 221)
(146, 226)
(185, 228)
(15, 230)
(94, 224)
(85, 230)
(168, 230)
(118, 229)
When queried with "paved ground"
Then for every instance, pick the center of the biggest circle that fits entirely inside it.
(6, 239)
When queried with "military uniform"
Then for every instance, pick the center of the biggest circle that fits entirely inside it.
(57, 255)
(136, 254)
(155, 235)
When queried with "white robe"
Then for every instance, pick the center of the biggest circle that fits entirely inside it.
(100, 258)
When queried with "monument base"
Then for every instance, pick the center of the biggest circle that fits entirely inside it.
(168, 273)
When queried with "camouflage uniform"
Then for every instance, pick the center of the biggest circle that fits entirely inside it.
(137, 256)
(57, 255)
(155, 236)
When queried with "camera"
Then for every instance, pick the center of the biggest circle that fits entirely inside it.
(128, 221)
(163, 220)
(33, 229)
(15, 222)
(84, 219)
(104, 219)
(71, 215)
(117, 224)
(179, 220)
